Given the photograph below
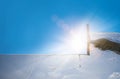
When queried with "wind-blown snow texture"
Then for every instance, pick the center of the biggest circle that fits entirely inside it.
(99, 65)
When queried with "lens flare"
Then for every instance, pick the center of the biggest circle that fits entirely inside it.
(76, 41)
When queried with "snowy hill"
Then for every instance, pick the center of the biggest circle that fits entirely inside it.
(99, 65)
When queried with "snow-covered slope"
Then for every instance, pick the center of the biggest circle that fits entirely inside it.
(99, 65)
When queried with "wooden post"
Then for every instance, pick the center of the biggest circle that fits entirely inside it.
(88, 40)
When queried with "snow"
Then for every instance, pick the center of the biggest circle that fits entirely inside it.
(99, 65)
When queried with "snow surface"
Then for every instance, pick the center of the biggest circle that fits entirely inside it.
(99, 65)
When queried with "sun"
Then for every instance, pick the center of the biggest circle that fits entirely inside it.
(76, 41)
(73, 41)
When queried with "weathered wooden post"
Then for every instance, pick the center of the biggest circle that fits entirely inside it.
(88, 40)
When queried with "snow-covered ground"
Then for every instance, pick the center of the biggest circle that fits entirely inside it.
(99, 65)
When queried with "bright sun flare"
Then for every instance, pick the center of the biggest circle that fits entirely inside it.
(76, 41)
(73, 42)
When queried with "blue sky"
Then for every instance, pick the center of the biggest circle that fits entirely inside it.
(28, 25)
